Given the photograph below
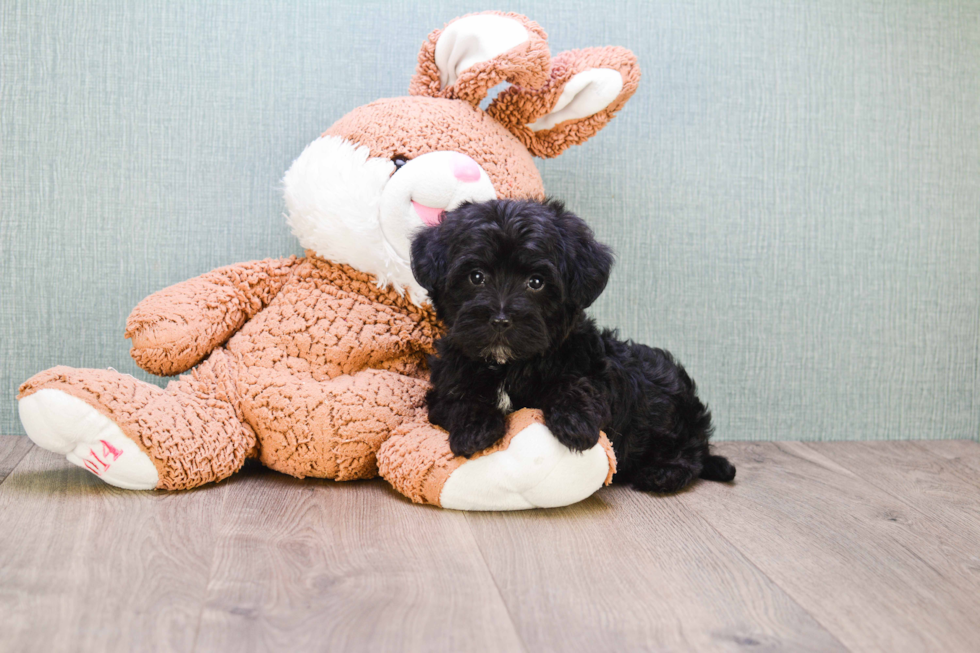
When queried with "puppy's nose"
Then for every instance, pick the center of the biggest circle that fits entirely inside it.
(500, 323)
(465, 168)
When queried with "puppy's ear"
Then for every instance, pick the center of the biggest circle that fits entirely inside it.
(588, 262)
(429, 260)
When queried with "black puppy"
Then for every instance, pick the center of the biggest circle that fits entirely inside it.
(511, 281)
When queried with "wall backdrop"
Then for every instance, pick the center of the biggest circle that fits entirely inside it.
(793, 193)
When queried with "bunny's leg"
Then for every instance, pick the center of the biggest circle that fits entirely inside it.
(331, 428)
(135, 435)
(528, 468)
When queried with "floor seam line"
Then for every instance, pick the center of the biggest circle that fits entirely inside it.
(483, 558)
(755, 566)
(214, 556)
(966, 466)
(901, 500)
(13, 469)
(785, 591)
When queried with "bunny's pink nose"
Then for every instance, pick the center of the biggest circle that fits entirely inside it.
(465, 168)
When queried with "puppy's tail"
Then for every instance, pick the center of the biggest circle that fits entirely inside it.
(717, 468)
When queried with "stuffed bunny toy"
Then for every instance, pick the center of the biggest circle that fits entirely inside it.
(317, 365)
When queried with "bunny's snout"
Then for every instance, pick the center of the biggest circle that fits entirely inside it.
(421, 189)
(464, 168)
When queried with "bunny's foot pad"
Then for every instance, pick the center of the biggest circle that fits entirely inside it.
(59, 422)
(529, 468)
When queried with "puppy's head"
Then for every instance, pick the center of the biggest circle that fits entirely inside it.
(509, 278)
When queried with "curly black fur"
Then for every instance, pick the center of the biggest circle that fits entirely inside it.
(511, 344)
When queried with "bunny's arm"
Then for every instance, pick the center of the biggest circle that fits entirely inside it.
(174, 329)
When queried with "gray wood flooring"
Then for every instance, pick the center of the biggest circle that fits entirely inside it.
(861, 546)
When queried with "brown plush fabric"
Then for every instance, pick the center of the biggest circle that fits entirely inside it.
(610, 456)
(330, 369)
(525, 65)
(172, 330)
(416, 460)
(312, 384)
(412, 126)
(517, 107)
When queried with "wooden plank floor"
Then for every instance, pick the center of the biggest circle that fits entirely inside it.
(861, 546)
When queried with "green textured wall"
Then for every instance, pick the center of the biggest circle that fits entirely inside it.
(793, 193)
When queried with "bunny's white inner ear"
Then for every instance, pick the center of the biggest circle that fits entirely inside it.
(471, 40)
(585, 94)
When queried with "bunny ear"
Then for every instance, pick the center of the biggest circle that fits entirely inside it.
(586, 89)
(472, 54)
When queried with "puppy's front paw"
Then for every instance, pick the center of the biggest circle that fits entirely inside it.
(577, 430)
(475, 428)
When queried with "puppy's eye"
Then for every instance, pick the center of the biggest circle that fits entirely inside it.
(477, 278)
(399, 160)
(535, 282)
